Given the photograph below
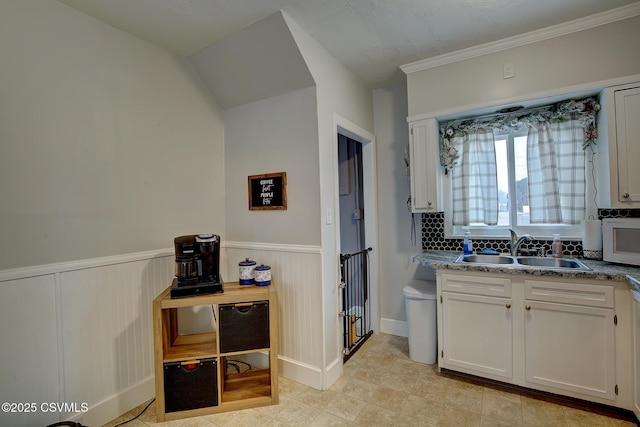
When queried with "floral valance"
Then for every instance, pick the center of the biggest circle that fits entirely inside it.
(584, 110)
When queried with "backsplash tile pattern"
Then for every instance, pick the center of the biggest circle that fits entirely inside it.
(618, 213)
(433, 237)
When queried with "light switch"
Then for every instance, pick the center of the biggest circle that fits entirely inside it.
(329, 216)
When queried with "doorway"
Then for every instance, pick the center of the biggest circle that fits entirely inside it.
(355, 286)
(352, 230)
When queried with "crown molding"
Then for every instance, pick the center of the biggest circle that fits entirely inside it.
(570, 27)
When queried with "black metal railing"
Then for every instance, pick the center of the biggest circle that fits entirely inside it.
(356, 312)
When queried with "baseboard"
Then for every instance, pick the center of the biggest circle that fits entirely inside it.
(114, 406)
(333, 372)
(394, 327)
(299, 372)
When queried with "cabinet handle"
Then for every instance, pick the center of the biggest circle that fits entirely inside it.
(429, 203)
(625, 195)
(527, 307)
(508, 306)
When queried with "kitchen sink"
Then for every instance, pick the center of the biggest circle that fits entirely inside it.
(551, 262)
(524, 261)
(487, 259)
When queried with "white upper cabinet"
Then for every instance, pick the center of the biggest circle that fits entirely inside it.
(425, 165)
(623, 120)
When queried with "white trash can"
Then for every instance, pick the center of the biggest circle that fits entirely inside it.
(420, 303)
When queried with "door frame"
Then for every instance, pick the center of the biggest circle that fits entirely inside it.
(370, 206)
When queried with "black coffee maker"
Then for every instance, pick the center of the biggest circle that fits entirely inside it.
(197, 265)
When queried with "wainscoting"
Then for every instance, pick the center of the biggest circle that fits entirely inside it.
(296, 273)
(80, 333)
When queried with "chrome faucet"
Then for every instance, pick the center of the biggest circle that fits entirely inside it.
(516, 241)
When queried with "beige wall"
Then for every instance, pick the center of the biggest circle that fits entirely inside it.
(601, 53)
(278, 134)
(109, 144)
(338, 93)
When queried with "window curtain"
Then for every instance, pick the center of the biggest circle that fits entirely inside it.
(558, 134)
(555, 165)
(475, 182)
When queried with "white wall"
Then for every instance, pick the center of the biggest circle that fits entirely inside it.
(398, 250)
(278, 134)
(79, 333)
(110, 145)
(338, 93)
(601, 53)
(572, 62)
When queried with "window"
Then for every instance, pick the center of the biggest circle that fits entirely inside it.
(524, 172)
(512, 180)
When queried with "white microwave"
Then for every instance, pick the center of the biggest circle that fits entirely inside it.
(621, 240)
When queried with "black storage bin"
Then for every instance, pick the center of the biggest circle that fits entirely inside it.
(190, 386)
(244, 326)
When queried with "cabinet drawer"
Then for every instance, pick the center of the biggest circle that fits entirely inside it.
(244, 326)
(477, 285)
(569, 293)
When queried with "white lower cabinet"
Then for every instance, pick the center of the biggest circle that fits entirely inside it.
(570, 347)
(561, 336)
(469, 346)
(569, 331)
(636, 352)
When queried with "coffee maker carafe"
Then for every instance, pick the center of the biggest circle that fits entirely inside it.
(208, 246)
(197, 265)
(186, 267)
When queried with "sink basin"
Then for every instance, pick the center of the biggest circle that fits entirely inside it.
(487, 259)
(524, 261)
(570, 263)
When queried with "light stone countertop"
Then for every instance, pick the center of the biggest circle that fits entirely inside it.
(600, 270)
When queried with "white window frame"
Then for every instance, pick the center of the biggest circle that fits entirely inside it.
(539, 232)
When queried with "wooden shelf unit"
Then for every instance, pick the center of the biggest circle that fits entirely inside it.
(235, 391)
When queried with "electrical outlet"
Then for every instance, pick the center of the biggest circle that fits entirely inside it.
(508, 70)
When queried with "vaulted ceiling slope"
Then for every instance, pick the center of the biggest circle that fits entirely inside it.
(372, 38)
(256, 62)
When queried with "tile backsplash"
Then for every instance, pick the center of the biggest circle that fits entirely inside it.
(433, 238)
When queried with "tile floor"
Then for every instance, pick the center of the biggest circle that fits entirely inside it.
(381, 386)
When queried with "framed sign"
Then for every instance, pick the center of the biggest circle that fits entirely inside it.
(268, 192)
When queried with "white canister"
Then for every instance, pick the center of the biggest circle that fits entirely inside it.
(263, 275)
(246, 271)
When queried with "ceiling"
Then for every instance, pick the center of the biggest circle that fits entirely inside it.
(372, 38)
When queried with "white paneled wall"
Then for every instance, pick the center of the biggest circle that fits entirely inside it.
(81, 332)
(107, 329)
(29, 355)
(296, 274)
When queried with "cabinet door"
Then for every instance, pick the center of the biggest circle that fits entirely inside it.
(424, 165)
(477, 334)
(628, 144)
(636, 352)
(570, 347)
